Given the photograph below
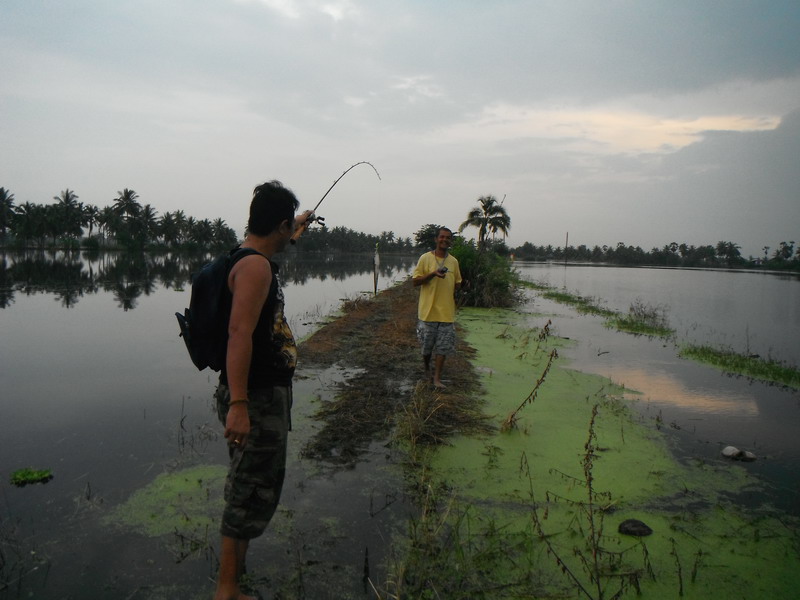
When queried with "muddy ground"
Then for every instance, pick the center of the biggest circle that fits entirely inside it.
(377, 338)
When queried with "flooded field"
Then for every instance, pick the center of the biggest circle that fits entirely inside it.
(110, 402)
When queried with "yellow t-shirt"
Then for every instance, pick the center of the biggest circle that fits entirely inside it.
(436, 297)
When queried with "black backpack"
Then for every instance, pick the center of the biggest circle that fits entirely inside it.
(204, 325)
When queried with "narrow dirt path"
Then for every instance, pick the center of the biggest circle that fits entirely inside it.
(377, 337)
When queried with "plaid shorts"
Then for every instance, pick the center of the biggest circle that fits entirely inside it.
(255, 477)
(437, 338)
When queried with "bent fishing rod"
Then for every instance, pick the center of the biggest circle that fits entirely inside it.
(301, 229)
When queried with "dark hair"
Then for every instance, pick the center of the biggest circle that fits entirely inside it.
(272, 204)
(443, 228)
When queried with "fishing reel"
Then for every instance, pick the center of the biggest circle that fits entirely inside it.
(306, 224)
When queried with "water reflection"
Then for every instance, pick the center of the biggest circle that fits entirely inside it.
(129, 276)
(665, 388)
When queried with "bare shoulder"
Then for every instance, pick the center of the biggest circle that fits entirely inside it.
(253, 269)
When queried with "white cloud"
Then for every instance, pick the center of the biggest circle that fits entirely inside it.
(337, 10)
(603, 130)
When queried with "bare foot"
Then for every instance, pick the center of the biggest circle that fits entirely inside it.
(439, 385)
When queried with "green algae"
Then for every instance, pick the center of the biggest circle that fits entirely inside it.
(188, 502)
(27, 476)
(535, 509)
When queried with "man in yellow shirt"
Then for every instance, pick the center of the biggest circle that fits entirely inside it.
(438, 276)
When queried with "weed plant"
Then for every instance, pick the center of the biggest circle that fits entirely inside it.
(643, 319)
(596, 571)
(741, 364)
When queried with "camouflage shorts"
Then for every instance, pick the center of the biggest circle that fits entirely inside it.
(436, 338)
(255, 478)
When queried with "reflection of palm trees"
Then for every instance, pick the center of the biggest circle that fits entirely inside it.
(130, 275)
(126, 296)
(69, 296)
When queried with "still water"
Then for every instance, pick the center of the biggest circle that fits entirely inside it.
(745, 311)
(96, 384)
(98, 387)
(700, 408)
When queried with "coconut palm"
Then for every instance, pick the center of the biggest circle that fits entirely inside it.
(168, 228)
(89, 217)
(489, 217)
(68, 215)
(148, 222)
(6, 212)
(126, 205)
(222, 234)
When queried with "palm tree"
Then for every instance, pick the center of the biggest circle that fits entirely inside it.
(180, 223)
(128, 209)
(89, 217)
(68, 215)
(148, 222)
(6, 212)
(222, 234)
(489, 217)
(126, 205)
(168, 228)
(108, 222)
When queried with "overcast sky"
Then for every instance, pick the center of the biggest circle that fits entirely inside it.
(636, 121)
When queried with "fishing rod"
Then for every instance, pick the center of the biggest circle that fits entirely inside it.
(301, 229)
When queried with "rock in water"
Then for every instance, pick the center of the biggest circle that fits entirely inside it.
(634, 527)
(736, 454)
(730, 452)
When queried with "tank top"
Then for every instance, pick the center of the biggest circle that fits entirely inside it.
(274, 355)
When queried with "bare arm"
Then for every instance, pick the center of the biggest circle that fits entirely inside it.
(249, 282)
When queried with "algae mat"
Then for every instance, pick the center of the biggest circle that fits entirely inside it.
(532, 510)
(186, 502)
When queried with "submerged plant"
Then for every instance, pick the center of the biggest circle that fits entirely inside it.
(643, 319)
(23, 477)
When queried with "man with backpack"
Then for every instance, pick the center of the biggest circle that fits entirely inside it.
(254, 397)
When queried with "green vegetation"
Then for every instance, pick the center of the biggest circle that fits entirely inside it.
(740, 364)
(489, 279)
(533, 510)
(23, 477)
(580, 303)
(642, 319)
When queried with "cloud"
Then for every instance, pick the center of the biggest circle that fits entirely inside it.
(337, 10)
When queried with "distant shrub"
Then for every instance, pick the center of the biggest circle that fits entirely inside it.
(489, 279)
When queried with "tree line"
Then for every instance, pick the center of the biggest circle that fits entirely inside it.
(125, 223)
(722, 254)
